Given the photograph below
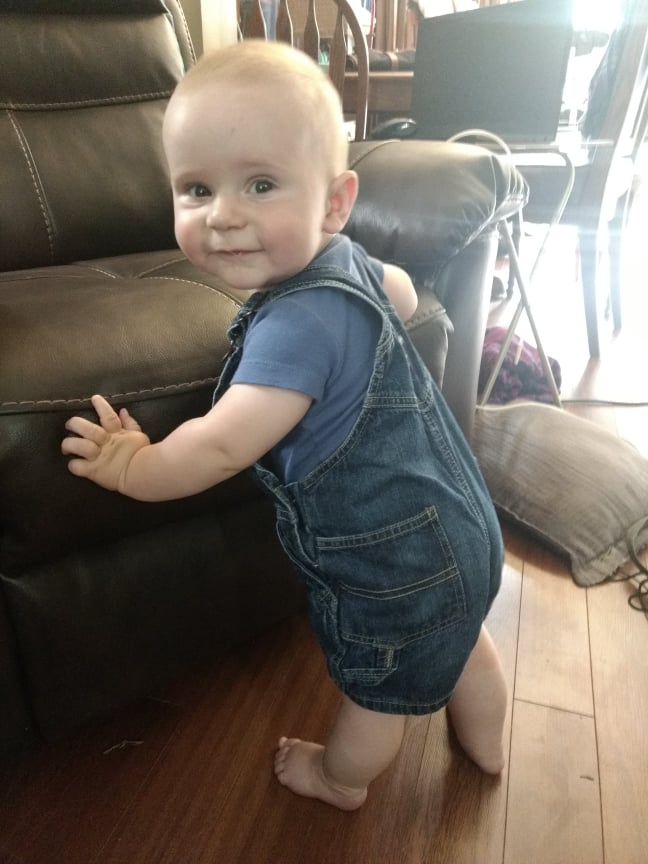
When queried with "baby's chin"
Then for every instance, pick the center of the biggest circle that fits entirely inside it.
(239, 273)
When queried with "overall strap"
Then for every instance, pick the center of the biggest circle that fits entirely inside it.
(322, 277)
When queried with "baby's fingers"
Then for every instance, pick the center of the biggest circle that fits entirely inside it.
(107, 415)
(86, 429)
(83, 447)
(129, 423)
(80, 467)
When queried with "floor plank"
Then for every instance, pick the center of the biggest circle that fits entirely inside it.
(554, 814)
(59, 803)
(464, 812)
(216, 784)
(619, 638)
(553, 667)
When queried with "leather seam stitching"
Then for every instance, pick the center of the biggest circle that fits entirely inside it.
(180, 259)
(106, 100)
(35, 180)
(168, 388)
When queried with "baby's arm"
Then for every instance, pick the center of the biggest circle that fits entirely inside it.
(399, 288)
(241, 428)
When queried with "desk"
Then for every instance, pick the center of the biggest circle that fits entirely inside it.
(390, 93)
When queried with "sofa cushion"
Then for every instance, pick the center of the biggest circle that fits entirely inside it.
(570, 482)
(93, 115)
(147, 331)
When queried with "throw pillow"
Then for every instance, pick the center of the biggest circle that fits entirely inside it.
(572, 483)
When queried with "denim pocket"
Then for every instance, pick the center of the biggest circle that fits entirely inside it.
(396, 584)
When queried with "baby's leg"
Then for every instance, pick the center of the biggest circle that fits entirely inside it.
(362, 744)
(478, 706)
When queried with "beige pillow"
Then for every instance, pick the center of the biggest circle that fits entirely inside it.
(573, 484)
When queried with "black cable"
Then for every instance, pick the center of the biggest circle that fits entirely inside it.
(610, 403)
(639, 599)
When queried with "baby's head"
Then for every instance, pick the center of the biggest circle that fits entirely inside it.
(257, 153)
(276, 82)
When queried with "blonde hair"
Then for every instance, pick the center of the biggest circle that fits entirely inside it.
(292, 76)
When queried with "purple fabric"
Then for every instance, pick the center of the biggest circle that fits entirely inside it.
(522, 380)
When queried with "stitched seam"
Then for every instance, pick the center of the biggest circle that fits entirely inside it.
(17, 276)
(362, 156)
(184, 281)
(35, 180)
(168, 388)
(142, 274)
(145, 275)
(213, 288)
(422, 317)
(185, 26)
(231, 300)
(164, 264)
(96, 270)
(84, 103)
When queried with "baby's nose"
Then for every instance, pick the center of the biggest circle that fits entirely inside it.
(225, 212)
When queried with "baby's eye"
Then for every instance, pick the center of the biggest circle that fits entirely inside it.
(262, 185)
(198, 190)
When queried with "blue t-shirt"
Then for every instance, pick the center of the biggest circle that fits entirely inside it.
(320, 342)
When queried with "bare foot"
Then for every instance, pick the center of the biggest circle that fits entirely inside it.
(487, 755)
(490, 762)
(299, 766)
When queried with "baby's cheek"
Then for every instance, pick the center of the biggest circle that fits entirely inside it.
(185, 234)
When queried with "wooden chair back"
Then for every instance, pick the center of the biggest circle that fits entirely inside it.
(253, 27)
(623, 122)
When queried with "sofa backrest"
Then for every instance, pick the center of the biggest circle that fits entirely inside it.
(83, 88)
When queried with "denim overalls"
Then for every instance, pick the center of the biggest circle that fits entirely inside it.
(394, 535)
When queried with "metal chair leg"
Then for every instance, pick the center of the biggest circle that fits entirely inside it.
(523, 306)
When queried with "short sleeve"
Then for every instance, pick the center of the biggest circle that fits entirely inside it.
(292, 345)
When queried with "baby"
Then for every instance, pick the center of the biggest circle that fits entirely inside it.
(378, 500)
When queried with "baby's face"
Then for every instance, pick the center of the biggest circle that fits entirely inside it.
(250, 201)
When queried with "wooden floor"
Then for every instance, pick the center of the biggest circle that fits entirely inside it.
(187, 779)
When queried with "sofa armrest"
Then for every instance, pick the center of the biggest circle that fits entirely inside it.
(422, 202)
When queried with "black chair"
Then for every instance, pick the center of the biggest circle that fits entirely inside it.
(604, 162)
(614, 126)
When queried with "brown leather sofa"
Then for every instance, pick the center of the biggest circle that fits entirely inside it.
(103, 599)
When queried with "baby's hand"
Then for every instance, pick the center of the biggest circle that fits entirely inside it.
(103, 451)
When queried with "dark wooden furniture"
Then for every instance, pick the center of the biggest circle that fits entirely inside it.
(253, 26)
(390, 95)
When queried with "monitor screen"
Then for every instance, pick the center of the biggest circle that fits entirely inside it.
(499, 68)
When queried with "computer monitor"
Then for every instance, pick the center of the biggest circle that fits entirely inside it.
(499, 68)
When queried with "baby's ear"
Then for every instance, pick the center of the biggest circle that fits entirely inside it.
(342, 194)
